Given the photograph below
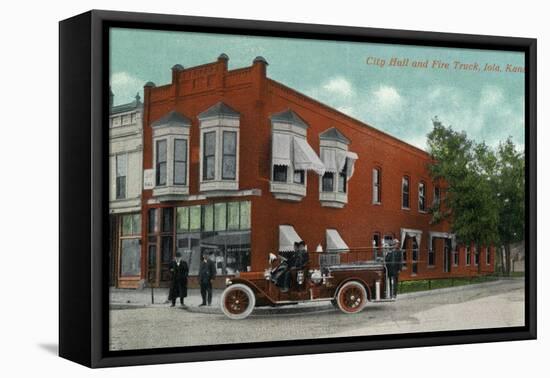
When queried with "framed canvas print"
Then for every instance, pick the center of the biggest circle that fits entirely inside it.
(234, 188)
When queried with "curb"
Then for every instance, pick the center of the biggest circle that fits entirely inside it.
(459, 288)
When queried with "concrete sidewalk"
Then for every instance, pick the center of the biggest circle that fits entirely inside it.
(157, 297)
(122, 299)
(131, 298)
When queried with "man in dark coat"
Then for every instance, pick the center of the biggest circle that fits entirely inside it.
(207, 272)
(179, 271)
(302, 257)
(394, 263)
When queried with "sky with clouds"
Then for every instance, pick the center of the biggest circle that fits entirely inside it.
(348, 76)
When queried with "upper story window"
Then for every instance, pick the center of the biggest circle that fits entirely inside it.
(180, 161)
(160, 166)
(121, 173)
(343, 179)
(219, 130)
(229, 159)
(376, 186)
(171, 156)
(299, 176)
(280, 173)
(339, 164)
(422, 196)
(291, 157)
(437, 197)
(328, 182)
(405, 192)
(209, 156)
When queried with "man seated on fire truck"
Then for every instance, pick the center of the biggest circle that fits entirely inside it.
(301, 258)
(298, 259)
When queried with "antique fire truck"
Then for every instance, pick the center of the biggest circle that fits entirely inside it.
(348, 285)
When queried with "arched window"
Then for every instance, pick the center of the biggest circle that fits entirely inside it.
(422, 196)
(376, 185)
(405, 193)
(437, 197)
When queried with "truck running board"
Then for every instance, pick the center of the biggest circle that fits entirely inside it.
(383, 300)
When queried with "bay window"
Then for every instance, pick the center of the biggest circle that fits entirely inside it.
(339, 165)
(219, 133)
(291, 157)
(171, 156)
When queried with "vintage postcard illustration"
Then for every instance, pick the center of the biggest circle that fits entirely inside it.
(266, 189)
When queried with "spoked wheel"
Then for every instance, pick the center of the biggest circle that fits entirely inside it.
(352, 297)
(238, 301)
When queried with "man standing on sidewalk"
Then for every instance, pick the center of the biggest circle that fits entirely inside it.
(394, 263)
(207, 272)
(179, 271)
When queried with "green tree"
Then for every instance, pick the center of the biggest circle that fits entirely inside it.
(466, 170)
(510, 191)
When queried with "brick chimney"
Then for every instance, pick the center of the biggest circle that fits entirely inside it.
(259, 74)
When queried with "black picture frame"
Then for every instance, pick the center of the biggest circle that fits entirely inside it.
(83, 196)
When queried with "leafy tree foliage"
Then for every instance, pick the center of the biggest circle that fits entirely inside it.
(482, 188)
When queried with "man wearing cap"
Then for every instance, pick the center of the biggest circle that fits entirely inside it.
(394, 263)
(207, 272)
(179, 271)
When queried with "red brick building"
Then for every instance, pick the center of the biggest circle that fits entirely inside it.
(240, 165)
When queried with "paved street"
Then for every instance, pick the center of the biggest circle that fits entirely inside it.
(498, 304)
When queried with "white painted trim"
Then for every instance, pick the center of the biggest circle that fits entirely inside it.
(289, 128)
(333, 199)
(336, 144)
(405, 231)
(287, 190)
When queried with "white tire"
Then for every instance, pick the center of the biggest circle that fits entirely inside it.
(237, 301)
(351, 297)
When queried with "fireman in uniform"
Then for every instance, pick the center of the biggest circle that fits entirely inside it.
(394, 263)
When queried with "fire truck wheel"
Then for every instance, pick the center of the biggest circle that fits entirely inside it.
(238, 301)
(352, 297)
